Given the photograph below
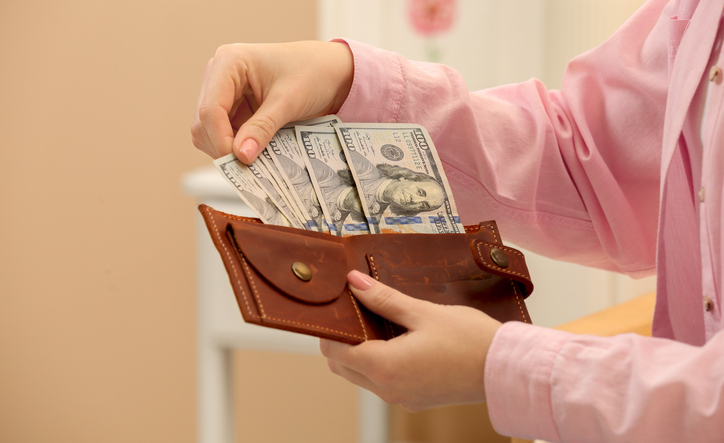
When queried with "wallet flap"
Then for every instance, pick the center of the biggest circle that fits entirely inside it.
(305, 268)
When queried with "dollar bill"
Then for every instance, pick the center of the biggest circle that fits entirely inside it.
(400, 178)
(332, 180)
(284, 190)
(325, 120)
(287, 157)
(266, 182)
(242, 179)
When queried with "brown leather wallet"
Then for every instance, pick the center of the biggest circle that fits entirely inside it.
(292, 279)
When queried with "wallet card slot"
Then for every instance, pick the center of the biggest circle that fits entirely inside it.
(435, 265)
(389, 326)
(498, 297)
(334, 319)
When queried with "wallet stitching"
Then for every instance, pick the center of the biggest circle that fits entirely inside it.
(371, 259)
(309, 325)
(493, 265)
(517, 299)
(359, 315)
(283, 320)
(388, 326)
(492, 229)
(500, 246)
(512, 283)
(253, 285)
(233, 266)
(239, 217)
(376, 275)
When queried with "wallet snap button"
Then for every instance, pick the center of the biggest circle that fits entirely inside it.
(499, 258)
(302, 271)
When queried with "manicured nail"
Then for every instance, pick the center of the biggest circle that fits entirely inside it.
(359, 280)
(248, 149)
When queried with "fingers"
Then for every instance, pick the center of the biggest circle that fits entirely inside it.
(385, 301)
(361, 365)
(336, 353)
(355, 357)
(239, 108)
(199, 136)
(251, 91)
(224, 85)
(229, 117)
(256, 133)
(441, 360)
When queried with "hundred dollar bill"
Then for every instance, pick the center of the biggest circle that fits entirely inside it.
(325, 120)
(400, 178)
(332, 180)
(239, 175)
(287, 157)
(283, 159)
(283, 189)
(266, 182)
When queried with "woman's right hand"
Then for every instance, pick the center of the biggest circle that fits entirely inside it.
(250, 91)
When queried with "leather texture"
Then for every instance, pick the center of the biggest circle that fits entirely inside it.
(452, 269)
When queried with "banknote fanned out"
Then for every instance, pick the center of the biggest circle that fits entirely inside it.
(330, 175)
(348, 179)
(285, 192)
(266, 182)
(400, 178)
(242, 179)
(287, 159)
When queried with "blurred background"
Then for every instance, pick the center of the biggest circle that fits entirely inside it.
(98, 309)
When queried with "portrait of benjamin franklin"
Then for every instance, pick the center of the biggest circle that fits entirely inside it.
(405, 192)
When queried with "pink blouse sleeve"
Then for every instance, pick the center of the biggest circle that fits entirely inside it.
(571, 174)
(552, 385)
(574, 175)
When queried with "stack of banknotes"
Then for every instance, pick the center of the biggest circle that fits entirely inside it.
(347, 179)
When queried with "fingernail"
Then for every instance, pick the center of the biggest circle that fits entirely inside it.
(248, 149)
(359, 280)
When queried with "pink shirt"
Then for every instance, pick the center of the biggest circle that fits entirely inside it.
(622, 170)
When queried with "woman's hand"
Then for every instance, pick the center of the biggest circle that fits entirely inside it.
(439, 361)
(251, 91)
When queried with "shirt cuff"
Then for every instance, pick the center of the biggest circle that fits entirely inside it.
(518, 380)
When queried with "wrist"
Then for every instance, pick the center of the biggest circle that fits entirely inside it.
(343, 73)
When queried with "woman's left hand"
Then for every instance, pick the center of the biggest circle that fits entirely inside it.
(439, 361)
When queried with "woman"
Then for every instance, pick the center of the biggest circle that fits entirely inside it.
(622, 170)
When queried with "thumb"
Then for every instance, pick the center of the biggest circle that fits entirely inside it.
(385, 301)
(256, 133)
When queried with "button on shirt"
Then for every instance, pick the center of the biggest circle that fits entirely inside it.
(702, 129)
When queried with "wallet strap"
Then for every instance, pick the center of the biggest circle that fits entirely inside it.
(503, 261)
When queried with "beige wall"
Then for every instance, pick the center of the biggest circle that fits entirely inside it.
(97, 307)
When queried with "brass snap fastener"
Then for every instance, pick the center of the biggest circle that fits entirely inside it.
(302, 271)
(499, 258)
